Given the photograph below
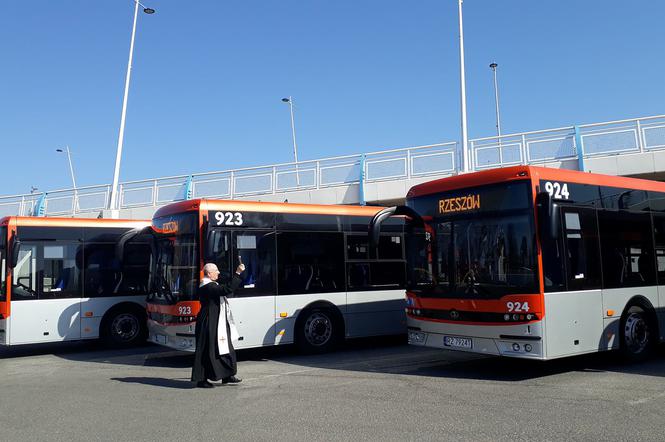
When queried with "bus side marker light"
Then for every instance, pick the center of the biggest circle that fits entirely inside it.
(281, 333)
(88, 314)
(283, 315)
(610, 313)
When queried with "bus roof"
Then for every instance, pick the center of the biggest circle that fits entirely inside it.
(269, 207)
(513, 173)
(38, 221)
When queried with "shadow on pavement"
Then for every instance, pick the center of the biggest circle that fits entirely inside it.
(158, 382)
(389, 355)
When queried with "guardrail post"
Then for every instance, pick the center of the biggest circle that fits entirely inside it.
(580, 149)
(501, 151)
(361, 182)
(640, 137)
(408, 164)
(273, 184)
(524, 151)
(155, 192)
(232, 185)
(318, 174)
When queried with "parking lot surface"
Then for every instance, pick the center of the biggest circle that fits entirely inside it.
(368, 390)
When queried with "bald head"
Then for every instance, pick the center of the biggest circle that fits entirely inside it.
(211, 271)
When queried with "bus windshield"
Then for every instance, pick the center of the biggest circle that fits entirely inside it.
(3, 263)
(485, 252)
(176, 271)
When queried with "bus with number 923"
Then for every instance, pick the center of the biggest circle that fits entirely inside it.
(534, 263)
(310, 278)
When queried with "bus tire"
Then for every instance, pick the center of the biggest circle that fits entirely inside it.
(638, 334)
(124, 326)
(318, 330)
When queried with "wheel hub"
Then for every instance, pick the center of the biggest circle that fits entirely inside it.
(636, 333)
(125, 327)
(318, 329)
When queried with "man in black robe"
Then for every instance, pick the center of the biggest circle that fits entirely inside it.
(208, 362)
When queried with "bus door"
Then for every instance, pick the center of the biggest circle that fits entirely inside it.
(45, 302)
(4, 304)
(574, 317)
(253, 305)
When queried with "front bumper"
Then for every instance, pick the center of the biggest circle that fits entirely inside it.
(520, 340)
(178, 337)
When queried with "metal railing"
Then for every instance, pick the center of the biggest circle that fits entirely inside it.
(543, 147)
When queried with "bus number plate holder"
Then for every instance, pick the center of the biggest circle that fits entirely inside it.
(457, 342)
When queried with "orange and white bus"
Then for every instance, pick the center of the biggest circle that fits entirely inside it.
(535, 263)
(309, 276)
(62, 281)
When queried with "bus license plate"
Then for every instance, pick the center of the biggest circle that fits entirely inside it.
(454, 341)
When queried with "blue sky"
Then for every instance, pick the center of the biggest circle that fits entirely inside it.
(208, 77)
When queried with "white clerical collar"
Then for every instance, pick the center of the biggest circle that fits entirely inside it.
(205, 281)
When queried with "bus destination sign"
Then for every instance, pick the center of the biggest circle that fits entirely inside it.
(459, 204)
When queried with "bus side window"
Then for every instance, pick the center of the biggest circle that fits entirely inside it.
(659, 237)
(24, 275)
(101, 270)
(136, 269)
(388, 270)
(582, 252)
(627, 247)
(219, 251)
(46, 270)
(553, 271)
(310, 262)
(60, 276)
(256, 249)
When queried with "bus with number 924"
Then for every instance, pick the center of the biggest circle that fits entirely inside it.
(535, 263)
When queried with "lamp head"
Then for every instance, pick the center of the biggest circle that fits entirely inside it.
(148, 10)
(286, 100)
(59, 150)
(493, 65)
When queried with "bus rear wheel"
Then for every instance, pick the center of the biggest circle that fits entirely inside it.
(637, 334)
(317, 330)
(124, 327)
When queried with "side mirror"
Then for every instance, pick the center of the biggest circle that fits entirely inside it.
(549, 218)
(129, 236)
(13, 254)
(380, 217)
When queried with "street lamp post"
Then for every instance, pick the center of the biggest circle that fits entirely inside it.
(71, 170)
(493, 66)
(113, 202)
(293, 132)
(465, 136)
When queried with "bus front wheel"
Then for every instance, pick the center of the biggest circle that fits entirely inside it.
(317, 330)
(637, 334)
(124, 327)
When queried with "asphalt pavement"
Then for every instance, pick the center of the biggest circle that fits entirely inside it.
(371, 389)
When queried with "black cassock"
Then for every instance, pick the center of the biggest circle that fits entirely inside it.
(208, 363)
